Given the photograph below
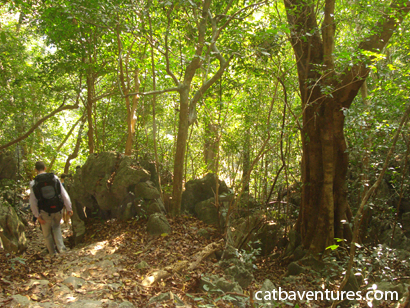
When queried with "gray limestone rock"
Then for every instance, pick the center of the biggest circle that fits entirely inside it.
(154, 206)
(146, 190)
(240, 274)
(312, 262)
(207, 212)
(126, 304)
(142, 265)
(200, 190)
(230, 252)
(86, 304)
(203, 233)
(400, 241)
(158, 224)
(266, 237)
(12, 235)
(166, 297)
(75, 282)
(20, 301)
(111, 185)
(294, 269)
(212, 283)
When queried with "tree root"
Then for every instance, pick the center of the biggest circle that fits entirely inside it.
(179, 267)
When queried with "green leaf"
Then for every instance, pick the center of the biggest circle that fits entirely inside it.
(3, 37)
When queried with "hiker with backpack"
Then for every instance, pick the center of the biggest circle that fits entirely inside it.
(47, 200)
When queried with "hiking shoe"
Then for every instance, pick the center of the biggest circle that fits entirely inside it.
(64, 250)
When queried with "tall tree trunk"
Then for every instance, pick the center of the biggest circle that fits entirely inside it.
(182, 137)
(154, 122)
(325, 160)
(76, 149)
(125, 86)
(367, 213)
(131, 118)
(90, 102)
(187, 107)
(246, 162)
(324, 168)
(211, 146)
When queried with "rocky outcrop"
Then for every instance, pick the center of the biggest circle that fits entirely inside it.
(12, 236)
(209, 213)
(240, 273)
(111, 185)
(214, 284)
(200, 190)
(255, 229)
(158, 224)
(383, 231)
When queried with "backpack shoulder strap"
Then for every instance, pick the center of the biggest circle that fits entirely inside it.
(36, 189)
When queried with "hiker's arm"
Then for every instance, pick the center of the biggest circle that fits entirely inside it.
(33, 202)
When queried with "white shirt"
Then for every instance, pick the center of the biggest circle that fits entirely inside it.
(34, 202)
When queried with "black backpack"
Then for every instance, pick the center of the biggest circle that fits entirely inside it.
(48, 193)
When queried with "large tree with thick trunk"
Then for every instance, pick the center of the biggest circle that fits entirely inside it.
(325, 92)
(212, 19)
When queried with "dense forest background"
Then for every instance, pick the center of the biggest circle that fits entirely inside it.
(195, 93)
(274, 97)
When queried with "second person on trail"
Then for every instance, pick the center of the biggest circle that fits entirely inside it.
(47, 200)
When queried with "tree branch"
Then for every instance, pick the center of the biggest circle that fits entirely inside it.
(155, 92)
(196, 60)
(383, 30)
(82, 119)
(198, 94)
(76, 148)
(38, 123)
(235, 14)
(168, 69)
(97, 98)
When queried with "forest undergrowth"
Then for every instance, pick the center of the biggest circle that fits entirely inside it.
(130, 242)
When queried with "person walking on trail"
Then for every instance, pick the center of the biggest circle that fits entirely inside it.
(48, 197)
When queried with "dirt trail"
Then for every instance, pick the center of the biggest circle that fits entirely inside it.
(105, 271)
